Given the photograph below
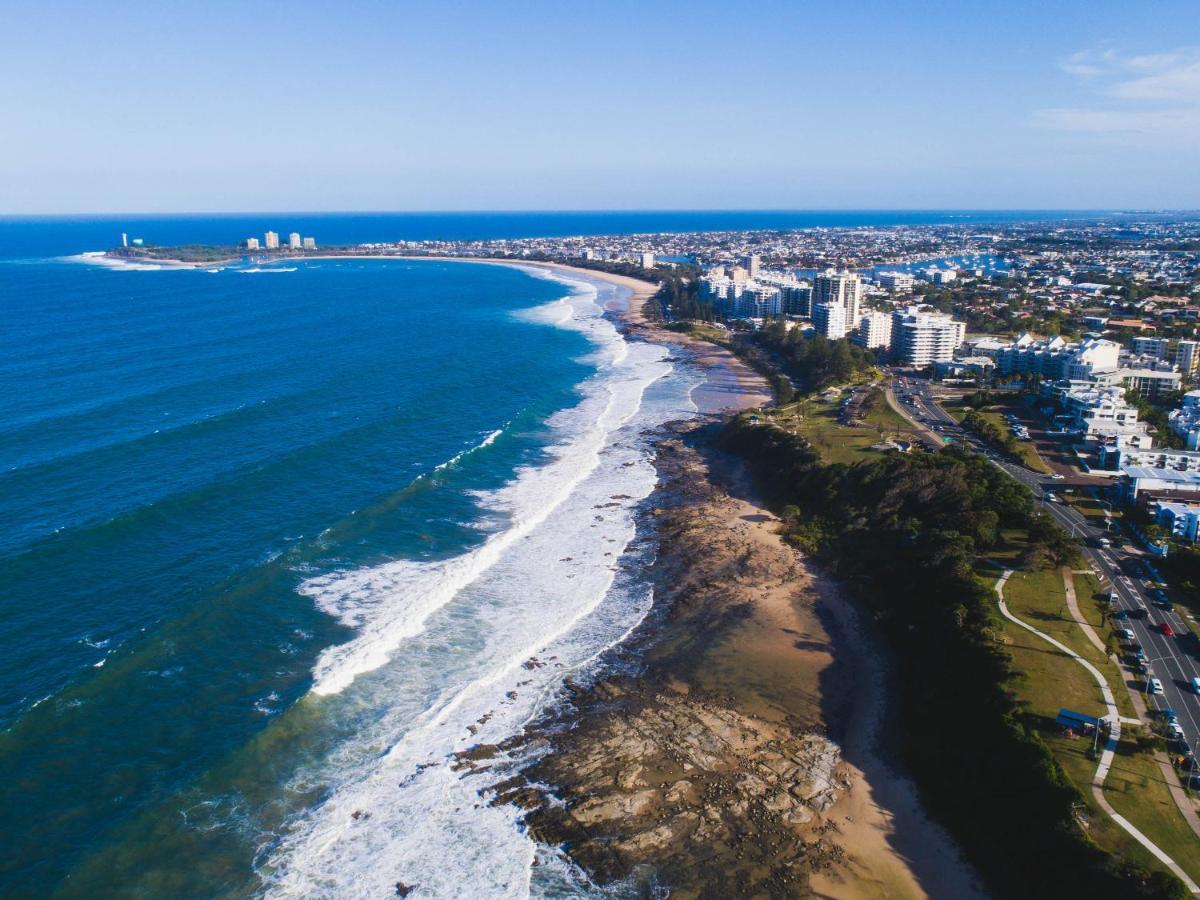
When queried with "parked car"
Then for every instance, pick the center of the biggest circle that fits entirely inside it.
(1155, 686)
(1057, 477)
(1166, 629)
(1126, 634)
(1195, 683)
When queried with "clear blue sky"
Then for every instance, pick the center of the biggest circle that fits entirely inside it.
(143, 106)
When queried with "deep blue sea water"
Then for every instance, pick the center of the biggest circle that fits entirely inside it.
(276, 539)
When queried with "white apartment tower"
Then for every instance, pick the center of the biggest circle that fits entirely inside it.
(1187, 357)
(309, 243)
(753, 264)
(647, 261)
(294, 240)
(842, 288)
(920, 339)
(829, 320)
(874, 331)
(271, 240)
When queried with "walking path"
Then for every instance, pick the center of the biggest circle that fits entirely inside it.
(1110, 747)
(1186, 807)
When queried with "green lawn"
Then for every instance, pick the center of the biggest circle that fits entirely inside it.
(1136, 789)
(1051, 680)
(818, 422)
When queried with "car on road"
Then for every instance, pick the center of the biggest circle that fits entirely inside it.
(1121, 614)
(1126, 634)
(1166, 629)
(1195, 684)
(1057, 476)
(1155, 686)
(1174, 730)
(1139, 613)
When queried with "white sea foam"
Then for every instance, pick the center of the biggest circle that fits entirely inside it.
(459, 457)
(443, 655)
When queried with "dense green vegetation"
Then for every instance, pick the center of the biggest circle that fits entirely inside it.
(813, 362)
(192, 253)
(905, 533)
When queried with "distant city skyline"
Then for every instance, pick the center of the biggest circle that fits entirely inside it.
(659, 105)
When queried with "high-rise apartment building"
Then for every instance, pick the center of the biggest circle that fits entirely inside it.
(874, 331)
(271, 241)
(842, 288)
(920, 339)
(829, 320)
(294, 241)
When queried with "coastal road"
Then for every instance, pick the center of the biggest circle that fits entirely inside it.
(1124, 568)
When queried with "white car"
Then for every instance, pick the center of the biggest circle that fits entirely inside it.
(1155, 686)
(1126, 634)
(1058, 476)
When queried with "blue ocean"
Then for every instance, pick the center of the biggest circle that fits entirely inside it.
(279, 540)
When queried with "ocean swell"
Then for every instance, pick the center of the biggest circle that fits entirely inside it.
(464, 651)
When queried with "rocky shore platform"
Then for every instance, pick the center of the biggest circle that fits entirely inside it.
(707, 757)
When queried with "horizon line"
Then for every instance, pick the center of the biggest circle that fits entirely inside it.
(611, 211)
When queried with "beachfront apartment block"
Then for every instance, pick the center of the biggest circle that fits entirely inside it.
(271, 240)
(646, 261)
(294, 241)
(829, 320)
(308, 243)
(920, 339)
(874, 331)
(251, 243)
(843, 288)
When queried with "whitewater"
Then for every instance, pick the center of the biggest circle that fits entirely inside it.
(451, 654)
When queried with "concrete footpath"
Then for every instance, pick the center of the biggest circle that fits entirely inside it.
(1110, 747)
